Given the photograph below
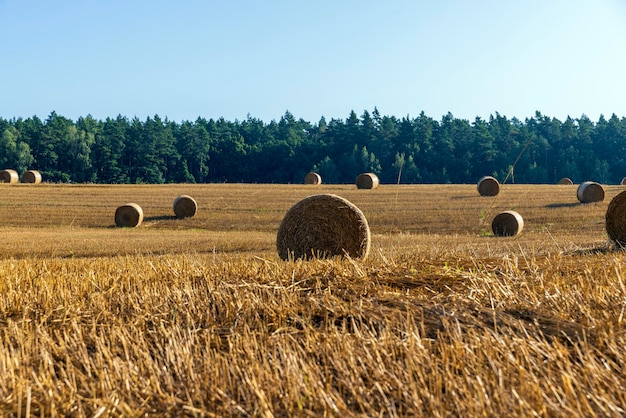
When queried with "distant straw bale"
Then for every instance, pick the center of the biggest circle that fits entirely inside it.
(507, 224)
(566, 181)
(129, 215)
(313, 178)
(9, 176)
(323, 226)
(616, 219)
(623, 182)
(185, 206)
(31, 176)
(488, 186)
(367, 181)
(590, 191)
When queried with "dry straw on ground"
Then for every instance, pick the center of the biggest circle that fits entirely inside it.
(507, 224)
(8, 176)
(185, 206)
(324, 225)
(31, 176)
(616, 219)
(566, 181)
(488, 186)
(313, 178)
(590, 191)
(129, 215)
(367, 181)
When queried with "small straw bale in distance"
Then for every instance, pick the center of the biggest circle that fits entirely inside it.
(324, 226)
(129, 215)
(616, 219)
(623, 182)
(507, 224)
(566, 181)
(9, 176)
(367, 181)
(590, 191)
(313, 178)
(185, 206)
(31, 176)
(488, 186)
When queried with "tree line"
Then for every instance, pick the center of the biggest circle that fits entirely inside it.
(540, 149)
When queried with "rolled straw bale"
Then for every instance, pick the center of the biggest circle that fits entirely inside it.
(185, 206)
(9, 176)
(367, 181)
(590, 191)
(623, 182)
(313, 178)
(129, 215)
(616, 219)
(323, 225)
(488, 186)
(31, 176)
(507, 224)
(566, 181)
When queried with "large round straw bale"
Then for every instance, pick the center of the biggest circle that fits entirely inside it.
(9, 176)
(507, 224)
(31, 176)
(566, 181)
(323, 225)
(590, 191)
(185, 206)
(129, 215)
(313, 178)
(616, 219)
(367, 181)
(488, 186)
(623, 182)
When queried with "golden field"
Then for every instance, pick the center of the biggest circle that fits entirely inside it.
(199, 317)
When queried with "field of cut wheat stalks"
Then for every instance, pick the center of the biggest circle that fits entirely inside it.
(200, 317)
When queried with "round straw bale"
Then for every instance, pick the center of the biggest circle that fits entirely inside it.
(566, 181)
(9, 176)
(590, 191)
(129, 215)
(313, 178)
(488, 186)
(623, 182)
(323, 225)
(185, 206)
(367, 181)
(31, 176)
(616, 219)
(507, 224)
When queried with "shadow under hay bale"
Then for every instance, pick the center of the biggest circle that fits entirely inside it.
(589, 192)
(616, 219)
(9, 176)
(367, 181)
(185, 206)
(324, 226)
(129, 215)
(565, 181)
(488, 186)
(507, 224)
(32, 177)
(313, 178)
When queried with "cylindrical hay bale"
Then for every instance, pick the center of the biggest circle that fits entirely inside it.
(367, 181)
(129, 215)
(623, 182)
(9, 176)
(185, 206)
(324, 226)
(616, 219)
(31, 176)
(313, 178)
(507, 224)
(590, 191)
(488, 186)
(566, 181)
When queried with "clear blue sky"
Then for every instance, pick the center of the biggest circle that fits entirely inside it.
(233, 58)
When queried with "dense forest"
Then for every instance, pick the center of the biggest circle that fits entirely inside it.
(540, 149)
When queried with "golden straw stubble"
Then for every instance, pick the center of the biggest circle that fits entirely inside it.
(129, 215)
(323, 225)
(185, 206)
(616, 219)
(507, 224)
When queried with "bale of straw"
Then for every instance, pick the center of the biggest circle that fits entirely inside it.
(507, 224)
(31, 176)
(616, 219)
(129, 215)
(185, 206)
(623, 182)
(323, 225)
(9, 176)
(590, 191)
(313, 178)
(566, 181)
(488, 186)
(367, 181)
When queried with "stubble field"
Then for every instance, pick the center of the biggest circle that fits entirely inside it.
(200, 317)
